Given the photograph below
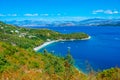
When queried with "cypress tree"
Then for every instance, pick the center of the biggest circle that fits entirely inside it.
(69, 58)
(45, 51)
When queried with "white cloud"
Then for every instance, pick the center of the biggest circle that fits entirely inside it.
(31, 14)
(14, 14)
(58, 14)
(97, 11)
(105, 11)
(2, 15)
(44, 14)
(11, 14)
(115, 12)
(108, 12)
(8, 14)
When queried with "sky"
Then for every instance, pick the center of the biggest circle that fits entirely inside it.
(58, 9)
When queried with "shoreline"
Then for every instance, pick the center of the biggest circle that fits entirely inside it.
(50, 42)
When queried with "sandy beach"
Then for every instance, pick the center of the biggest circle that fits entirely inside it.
(50, 42)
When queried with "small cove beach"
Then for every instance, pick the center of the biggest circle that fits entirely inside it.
(53, 41)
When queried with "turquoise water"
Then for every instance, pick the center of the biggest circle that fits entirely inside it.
(102, 51)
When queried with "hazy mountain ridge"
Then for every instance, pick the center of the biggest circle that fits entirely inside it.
(87, 22)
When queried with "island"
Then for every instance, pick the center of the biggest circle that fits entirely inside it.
(19, 61)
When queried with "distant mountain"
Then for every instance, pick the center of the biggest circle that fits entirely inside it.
(100, 22)
(87, 22)
(29, 23)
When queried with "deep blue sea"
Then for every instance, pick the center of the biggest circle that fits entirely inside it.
(102, 51)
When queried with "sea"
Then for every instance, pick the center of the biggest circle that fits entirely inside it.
(100, 52)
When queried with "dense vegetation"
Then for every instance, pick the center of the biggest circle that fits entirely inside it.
(18, 61)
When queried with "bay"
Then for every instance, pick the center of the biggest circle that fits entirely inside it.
(102, 51)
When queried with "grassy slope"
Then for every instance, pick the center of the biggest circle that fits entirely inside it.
(18, 61)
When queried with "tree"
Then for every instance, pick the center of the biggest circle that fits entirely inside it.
(69, 58)
(69, 62)
(45, 51)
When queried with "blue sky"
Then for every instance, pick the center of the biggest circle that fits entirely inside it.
(58, 9)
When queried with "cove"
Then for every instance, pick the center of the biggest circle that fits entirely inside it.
(102, 51)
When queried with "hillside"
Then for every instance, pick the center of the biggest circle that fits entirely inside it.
(18, 61)
(19, 64)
